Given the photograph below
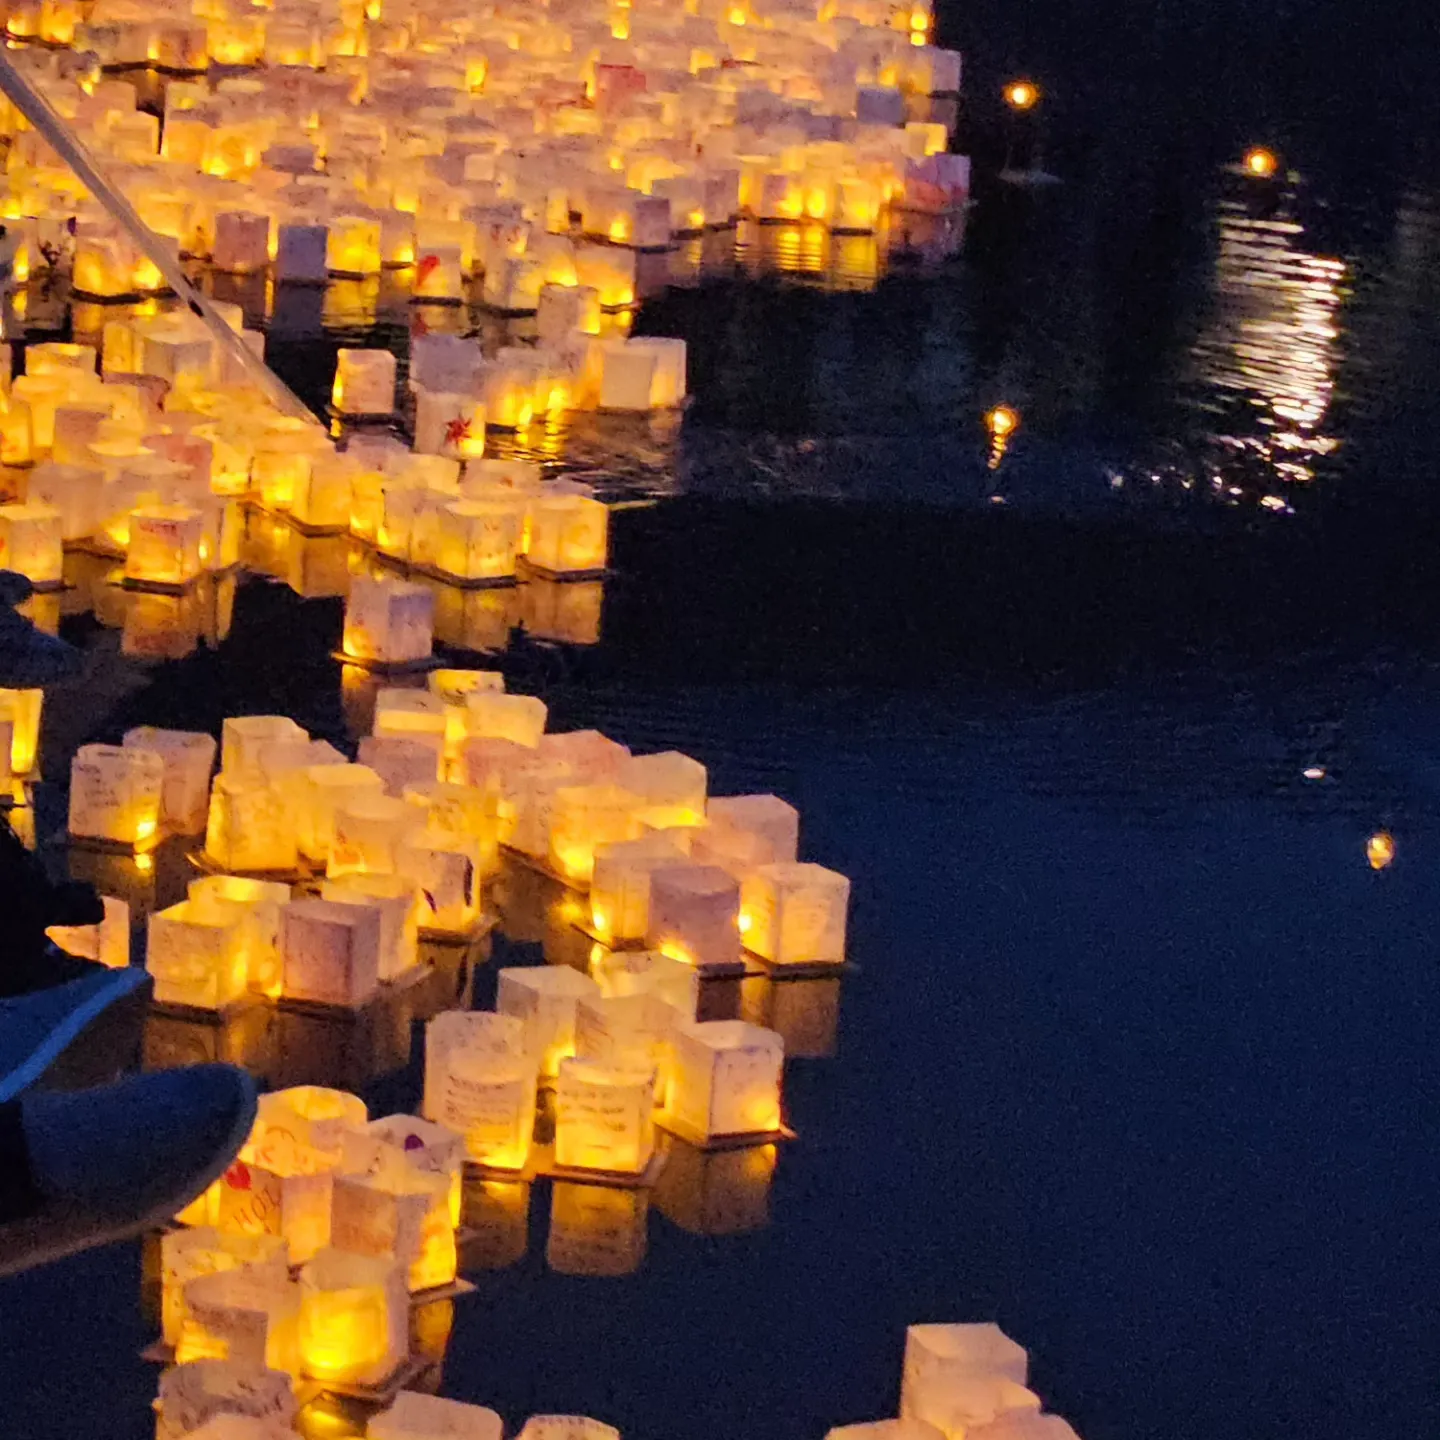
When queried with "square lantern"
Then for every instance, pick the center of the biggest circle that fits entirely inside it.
(165, 545)
(492, 714)
(628, 1032)
(302, 1130)
(484, 1033)
(405, 1139)
(396, 900)
(445, 869)
(22, 709)
(743, 831)
(884, 1429)
(300, 251)
(670, 787)
(249, 1316)
(544, 998)
(794, 914)
(621, 973)
(566, 310)
(319, 791)
(620, 885)
(694, 915)
(398, 1213)
(73, 490)
(77, 427)
(400, 761)
(31, 542)
(569, 534)
(189, 758)
(185, 1255)
(450, 423)
(257, 1200)
(354, 1318)
(321, 500)
(463, 813)
(107, 943)
(262, 901)
(959, 1403)
(604, 1117)
(478, 539)
(242, 241)
(330, 952)
(244, 739)
(413, 715)
(364, 382)
(193, 1394)
(934, 1353)
(250, 827)
(115, 795)
(353, 247)
(198, 954)
(585, 817)
(414, 1416)
(597, 1230)
(388, 622)
(725, 1079)
(369, 830)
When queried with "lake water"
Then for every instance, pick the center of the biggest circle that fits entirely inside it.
(1138, 1054)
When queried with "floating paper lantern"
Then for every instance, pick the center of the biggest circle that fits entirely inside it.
(569, 534)
(396, 901)
(725, 1079)
(493, 714)
(620, 885)
(885, 1430)
(413, 1416)
(330, 952)
(405, 1139)
(745, 831)
(321, 498)
(630, 1032)
(959, 1403)
(694, 915)
(319, 791)
(165, 545)
(369, 830)
(403, 760)
(398, 1213)
(595, 1230)
(21, 709)
(249, 1316)
(193, 1394)
(794, 914)
(262, 901)
(244, 738)
(249, 826)
(303, 1129)
(353, 1315)
(73, 491)
(604, 1117)
(934, 1352)
(300, 253)
(198, 953)
(544, 999)
(185, 1255)
(242, 240)
(30, 542)
(107, 943)
(621, 973)
(388, 621)
(188, 758)
(583, 817)
(445, 869)
(115, 795)
(364, 382)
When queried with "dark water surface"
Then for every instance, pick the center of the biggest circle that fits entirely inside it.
(1139, 1057)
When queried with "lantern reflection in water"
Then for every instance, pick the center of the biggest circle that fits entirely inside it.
(804, 1012)
(495, 1221)
(716, 1192)
(596, 1230)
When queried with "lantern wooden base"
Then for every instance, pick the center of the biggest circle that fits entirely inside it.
(460, 582)
(803, 970)
(454, 300)
(203, 1015)
(604, 572)
(743, 1140)
(389, 667)
(119, 847)
(545, 869)
(474, 1170)
(464, 939)
(380, 1395)
(546, 1166)
(301, 874)
(328, 1010)
(453, 1290)
(301, 527)
(359, 418)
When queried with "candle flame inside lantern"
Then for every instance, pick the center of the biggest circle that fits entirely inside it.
(1261, 163)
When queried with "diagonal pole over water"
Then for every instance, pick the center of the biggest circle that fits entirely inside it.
(63, 140)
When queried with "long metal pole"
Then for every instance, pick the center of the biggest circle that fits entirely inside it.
(63, 140)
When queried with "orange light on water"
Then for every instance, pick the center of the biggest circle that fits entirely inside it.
(1002, 421)
(1022, 94)
(1380, 849)
(1261, 163)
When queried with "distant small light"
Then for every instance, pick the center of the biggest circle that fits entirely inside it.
(1261, 163)
(1380, 849)
(1002, 421)
(1022, 94)
(997, 499)
(1314, 772)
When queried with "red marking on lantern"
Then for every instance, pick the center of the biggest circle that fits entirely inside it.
(426, 268)
(457, 430)
(237, 1177)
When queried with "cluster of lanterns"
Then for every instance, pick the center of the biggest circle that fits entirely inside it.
(370, 136)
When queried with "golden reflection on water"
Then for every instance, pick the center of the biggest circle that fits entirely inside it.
(1272, 344)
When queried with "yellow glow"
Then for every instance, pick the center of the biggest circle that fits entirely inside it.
(1022, 94)
(1002, 421)
(1380, 849)
(620, 229)
(144, 863)
(673, 951)
(736, 15)
(745, 922)
(1261, 163)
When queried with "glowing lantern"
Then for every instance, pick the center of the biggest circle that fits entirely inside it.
(412, 714)
(414, 1416)
(566, 310)
(302, 1130)
(193, 1394)
(72, 490)
(261, 901)
(242, 241)
(1022, 95)
(396, 901)
(364, 382)
(368, 832)
(353, 1318)
(249, 826)
(319, 791)
(199, 953)
(884, 1429)
(694, 913)
(544, 999)
(934, 1353)
(1261, 163)
(794, 914)
(185, 1255)
(188, 758)
(958, 1403)
(249, 1316)
(478, 540)
(401, 760)
(388, 621)
(594, 1230)
(742, 832)
(604, 1117)
(628, 1032)
(439, 272)
(321, 497)
(445, 869)
(583, 817)
(330, 952)
(398, 1213)
(30, 542)
(480, 1083)
(1380, 849)
(491, 714)
(300, 252)
(244, 740)
(623, 973)
(21, 709)
(115, 795)
(107, 943)
(670, 787)
(725, 1079)
(353, 248)
(455, 686)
